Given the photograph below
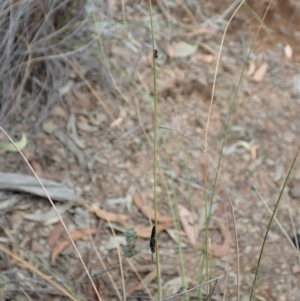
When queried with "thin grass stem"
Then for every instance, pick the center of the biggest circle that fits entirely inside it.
(270, 223)
(155, 120)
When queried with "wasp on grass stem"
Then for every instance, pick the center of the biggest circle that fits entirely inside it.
(152, 242)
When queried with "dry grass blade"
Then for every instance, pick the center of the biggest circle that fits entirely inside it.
(37, 272)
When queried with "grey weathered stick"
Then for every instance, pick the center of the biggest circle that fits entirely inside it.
(29, 184)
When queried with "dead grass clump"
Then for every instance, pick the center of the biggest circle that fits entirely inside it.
(37, 38)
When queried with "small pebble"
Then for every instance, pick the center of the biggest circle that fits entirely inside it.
(295, 192)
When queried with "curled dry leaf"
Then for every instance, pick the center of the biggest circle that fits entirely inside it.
(55, 234)
(76, 235)
(109, 216)
(224, 248)
(190, 228)
(254, 149)
(206, 58)
(148, 212)
(217, 250)
(145, 232)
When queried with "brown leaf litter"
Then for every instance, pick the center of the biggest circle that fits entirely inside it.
(191, 230)
(76, 235)
(149, 212)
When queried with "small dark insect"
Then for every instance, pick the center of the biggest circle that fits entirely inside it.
(296, 240)
(155, 53)
(152, 242)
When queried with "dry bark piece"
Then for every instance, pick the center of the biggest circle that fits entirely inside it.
(29, 184)
(148, 212)
(76, 235)
(109, 216)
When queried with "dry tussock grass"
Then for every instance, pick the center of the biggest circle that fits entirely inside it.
(37, 38)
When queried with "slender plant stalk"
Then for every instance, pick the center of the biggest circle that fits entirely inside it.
(270, 223)
(218, 174)
(158, 278)
(233, 103)
(208, 209)
(173, 203)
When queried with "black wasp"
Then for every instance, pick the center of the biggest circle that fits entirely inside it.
(152, 242)
(155, 53)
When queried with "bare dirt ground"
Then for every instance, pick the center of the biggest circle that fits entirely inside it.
(107, 158)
